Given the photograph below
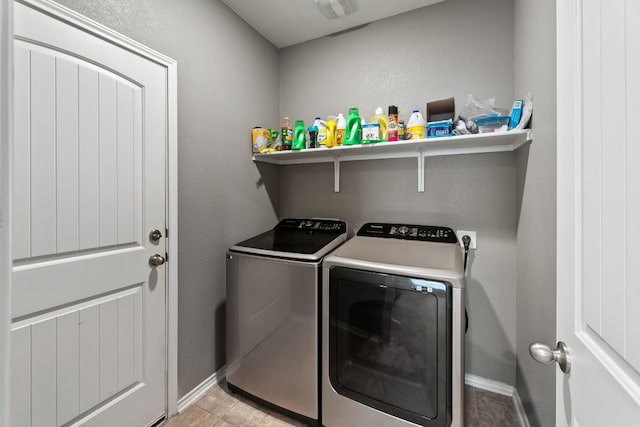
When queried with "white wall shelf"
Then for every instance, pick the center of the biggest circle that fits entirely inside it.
(418, 148)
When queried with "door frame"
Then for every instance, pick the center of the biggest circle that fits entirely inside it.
(6, 137)
(75, 19)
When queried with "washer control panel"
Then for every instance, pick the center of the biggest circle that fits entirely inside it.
(426, 233)
(312, 224)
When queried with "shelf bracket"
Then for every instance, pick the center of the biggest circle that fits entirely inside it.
(336, 175)
(420, 171)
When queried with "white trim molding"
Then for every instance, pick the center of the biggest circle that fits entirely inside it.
(6, 136)
(499, 388)
(200, 390)
(71, 17)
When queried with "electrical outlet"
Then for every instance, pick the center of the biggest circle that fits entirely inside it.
(472, 234)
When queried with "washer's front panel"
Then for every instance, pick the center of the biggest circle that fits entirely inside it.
(272, 331)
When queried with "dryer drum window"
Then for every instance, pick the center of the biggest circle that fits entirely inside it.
(390, 343)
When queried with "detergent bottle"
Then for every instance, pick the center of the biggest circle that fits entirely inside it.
(313, 136)
(353, 134)
(322, 130)
(382, 120)
(299, 136)
(330, 141)
(416, 125)
(341, 126)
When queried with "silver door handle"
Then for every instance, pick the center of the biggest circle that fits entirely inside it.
(542, 353)
(155, 235)
(156, 260)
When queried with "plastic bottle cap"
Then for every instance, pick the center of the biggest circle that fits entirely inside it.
(313, 128)
(379, 110)
(317, 118)
(416, 111)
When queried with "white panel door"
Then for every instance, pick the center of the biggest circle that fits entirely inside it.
(599, 211)
(89, 312)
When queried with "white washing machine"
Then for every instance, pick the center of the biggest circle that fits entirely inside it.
(393, 329)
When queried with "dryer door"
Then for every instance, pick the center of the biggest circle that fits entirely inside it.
(390, 345)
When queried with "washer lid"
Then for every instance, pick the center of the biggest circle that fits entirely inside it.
(297, 238)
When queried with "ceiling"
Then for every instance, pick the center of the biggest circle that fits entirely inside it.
(287, 22)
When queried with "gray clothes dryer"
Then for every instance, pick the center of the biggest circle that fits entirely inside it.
(273, 317)
(393, 329)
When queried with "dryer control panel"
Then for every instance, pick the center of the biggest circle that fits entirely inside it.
(425, 233)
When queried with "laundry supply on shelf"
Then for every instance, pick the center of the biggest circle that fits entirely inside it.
(313, 136)
(353, 134)
(402, 130)
(370, 133)
(416, 125)
(439, 128)
(259, 139)
(330, 140)
(392, 128)
(286, 134)
(341, 126)
(382, 120)
(299, 136)
(322, 130)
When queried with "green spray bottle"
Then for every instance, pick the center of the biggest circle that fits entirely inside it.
(353, 134)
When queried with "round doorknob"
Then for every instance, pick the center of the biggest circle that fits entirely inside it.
(155, 235)
(542, 353)
(156, 260)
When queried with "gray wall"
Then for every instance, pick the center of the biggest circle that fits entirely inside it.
(227, 83)
(453, 48)
(535, 71)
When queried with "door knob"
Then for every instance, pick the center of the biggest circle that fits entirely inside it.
(156, 260)
(155, 235)
(542, 353)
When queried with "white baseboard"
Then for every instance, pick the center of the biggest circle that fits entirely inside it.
(522, 415)
(500, 388)
(201, 389)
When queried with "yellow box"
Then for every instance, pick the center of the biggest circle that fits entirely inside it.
(260, 138)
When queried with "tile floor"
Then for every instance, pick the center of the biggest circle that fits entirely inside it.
(221, 408)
